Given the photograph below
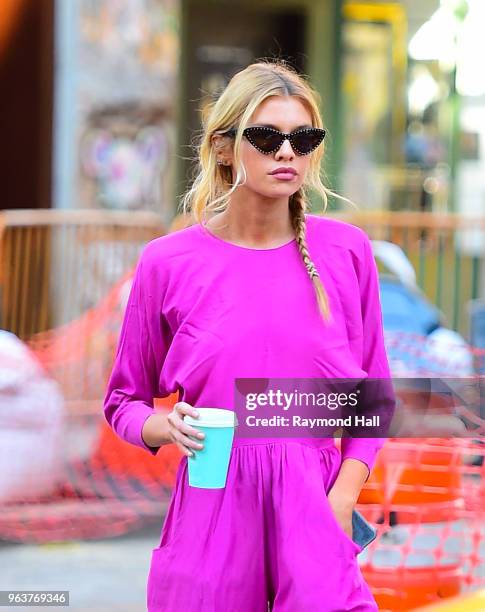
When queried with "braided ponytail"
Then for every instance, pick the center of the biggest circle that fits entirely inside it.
(297, 212)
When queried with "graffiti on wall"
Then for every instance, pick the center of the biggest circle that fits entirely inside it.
(127, 58)
(124, 155)
(127, 171)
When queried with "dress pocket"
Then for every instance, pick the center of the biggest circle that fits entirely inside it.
(158, 577)
(330, 461)
(353, 546)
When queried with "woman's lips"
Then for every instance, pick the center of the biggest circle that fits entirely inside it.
(284, 176)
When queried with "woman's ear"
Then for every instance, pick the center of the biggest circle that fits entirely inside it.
(222, 148)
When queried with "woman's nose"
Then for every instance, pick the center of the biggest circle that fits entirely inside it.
(285, 150)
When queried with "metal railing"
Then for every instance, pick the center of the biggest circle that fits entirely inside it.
(446, 250)
(56, 264)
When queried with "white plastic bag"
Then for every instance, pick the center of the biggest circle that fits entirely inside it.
(32, 424)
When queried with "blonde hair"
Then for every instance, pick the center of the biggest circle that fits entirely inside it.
(212, 186)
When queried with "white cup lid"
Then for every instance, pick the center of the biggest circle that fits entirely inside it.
(213, 417)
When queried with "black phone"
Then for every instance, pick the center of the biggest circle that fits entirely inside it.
(363, 533)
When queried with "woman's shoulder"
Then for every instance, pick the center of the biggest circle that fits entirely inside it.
(171, 245)
(336, 231)
(168, 255)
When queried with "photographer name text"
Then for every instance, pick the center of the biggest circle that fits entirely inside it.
(298, 421)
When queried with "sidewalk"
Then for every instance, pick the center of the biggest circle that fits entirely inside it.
(101, 575)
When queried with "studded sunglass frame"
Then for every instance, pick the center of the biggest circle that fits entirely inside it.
(269, 140)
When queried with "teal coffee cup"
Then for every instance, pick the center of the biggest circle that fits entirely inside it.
(208, 466)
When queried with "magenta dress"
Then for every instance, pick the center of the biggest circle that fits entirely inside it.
(202, 312)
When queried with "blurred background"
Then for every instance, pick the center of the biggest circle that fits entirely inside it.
(100, 110)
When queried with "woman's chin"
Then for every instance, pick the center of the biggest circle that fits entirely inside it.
(280, 192)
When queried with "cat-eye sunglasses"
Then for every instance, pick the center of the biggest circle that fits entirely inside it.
(268, 140)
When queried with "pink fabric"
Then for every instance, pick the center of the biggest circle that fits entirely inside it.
(201, 313)
(260, 539)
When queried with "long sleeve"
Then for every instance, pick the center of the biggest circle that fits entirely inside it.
(378, 393)
(142, 346)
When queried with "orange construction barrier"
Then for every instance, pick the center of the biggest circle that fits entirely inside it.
(420, 479)
(473, 602)
(118, 457)
(405, 588)
(415, 482)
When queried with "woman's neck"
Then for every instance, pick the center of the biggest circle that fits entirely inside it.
(266, 227)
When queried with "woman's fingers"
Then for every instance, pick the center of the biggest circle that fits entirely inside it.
(185, 408)
(184, 449)
(180, 431)
(182, 408)
(180, 437)
(183, 426)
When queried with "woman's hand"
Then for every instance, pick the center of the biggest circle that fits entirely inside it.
(342, 509)
(345, 491)
(178, 431)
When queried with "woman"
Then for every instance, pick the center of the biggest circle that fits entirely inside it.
(259, 289)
